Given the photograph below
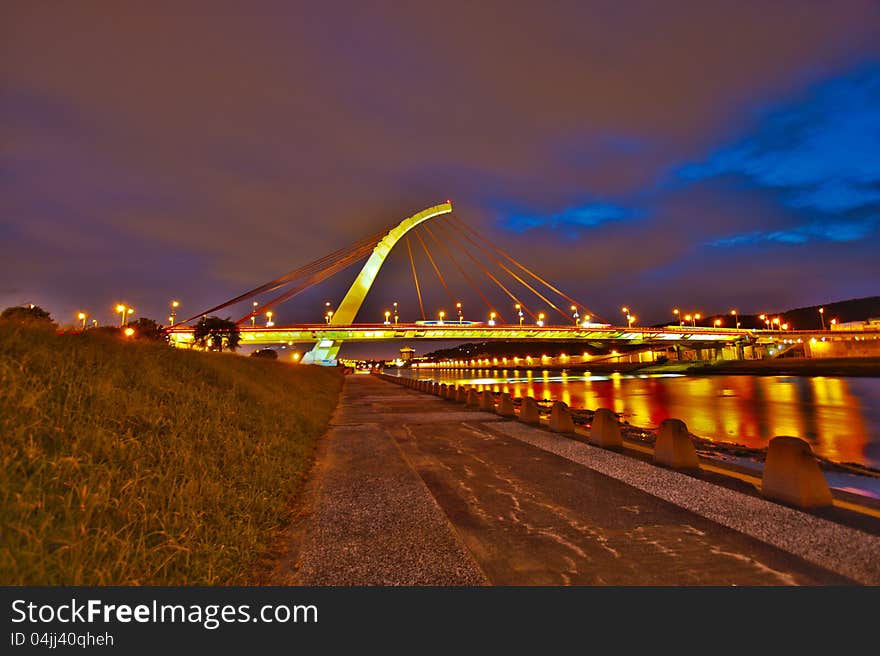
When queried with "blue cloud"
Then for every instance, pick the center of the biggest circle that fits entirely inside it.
(584, 216)
(833, 231)
(821, 152)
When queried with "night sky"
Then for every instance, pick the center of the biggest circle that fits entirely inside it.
(705, 155)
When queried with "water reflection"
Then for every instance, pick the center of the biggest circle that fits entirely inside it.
(840, 417)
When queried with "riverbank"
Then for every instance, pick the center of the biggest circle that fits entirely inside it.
(858, 367)
(132, 463)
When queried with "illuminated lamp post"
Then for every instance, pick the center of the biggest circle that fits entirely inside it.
(254, 314)
(540, 319)
(697, 317)
(631, 319)
(717, 323)
(82, 317)
(387, 317)
(492, 316)
(395, 313)
(575, 314)
(460, 313)
(441, 314)
(174, 306)
(519, 313)
(822, 317)
(269, 322)
(736, 318)
(677, 314)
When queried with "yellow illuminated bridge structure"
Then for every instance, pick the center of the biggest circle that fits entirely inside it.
(532, 297)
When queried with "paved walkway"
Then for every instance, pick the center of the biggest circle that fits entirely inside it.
(412, 489)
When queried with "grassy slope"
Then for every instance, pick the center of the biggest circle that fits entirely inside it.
(132, 463)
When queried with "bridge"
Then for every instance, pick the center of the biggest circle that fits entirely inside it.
(532, 298)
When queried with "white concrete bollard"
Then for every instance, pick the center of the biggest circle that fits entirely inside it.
(792, 474)
(674, 446)
(605, 431)
(505, 406)
(473, 399)
(528, 411)
(560, 418)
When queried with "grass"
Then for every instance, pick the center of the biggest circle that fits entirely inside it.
(126, 463)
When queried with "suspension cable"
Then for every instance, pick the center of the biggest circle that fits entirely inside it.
(528, 271)
(436, 269)
(365, 244)
(489, 274)
(519, 279)
(464, 273)
(415, 277)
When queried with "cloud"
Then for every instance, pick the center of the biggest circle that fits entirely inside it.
(820, 152)
(589, 215)
(834, 231)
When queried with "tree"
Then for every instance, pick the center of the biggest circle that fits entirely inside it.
(265, 353)
(28, 315)
(148, 329)
(215, 334)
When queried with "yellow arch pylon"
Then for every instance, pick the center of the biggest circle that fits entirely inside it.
(324, 353)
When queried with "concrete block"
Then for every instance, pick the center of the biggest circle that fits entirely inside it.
(461, 394)
(528, 411)
(605, 431)
(450, 392)
(792, 474)
(487, 401)
(674, 447)
(473, 399)
(560, 418)
(442, 390)
(505, 406)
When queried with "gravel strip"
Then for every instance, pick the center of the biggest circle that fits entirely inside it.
(846, 551)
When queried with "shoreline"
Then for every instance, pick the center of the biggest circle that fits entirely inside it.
(842, 367)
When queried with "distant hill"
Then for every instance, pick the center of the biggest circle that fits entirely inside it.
(808, 318)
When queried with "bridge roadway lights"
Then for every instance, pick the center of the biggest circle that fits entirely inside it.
(674, 447)
(505, 406)
(605, 431)
(487, 401)
(461, 394)
(528, 412)
(560, 418)
(792, 474)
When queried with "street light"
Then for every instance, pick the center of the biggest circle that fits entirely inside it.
(254, 315)
(631, 319)
(540, 319)
(677, 313)
(460, 313)
(82, 317)
(822, 316)
(492, 316)
(697, 317)
(575, 314)
(520, 314)
(387, 317)
(120, 308)
(735, 317)
(717, 323)
(269, 315)
(441, 314)
(174, 306)
(395, 313)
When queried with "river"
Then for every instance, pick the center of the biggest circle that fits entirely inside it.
(840, 417)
